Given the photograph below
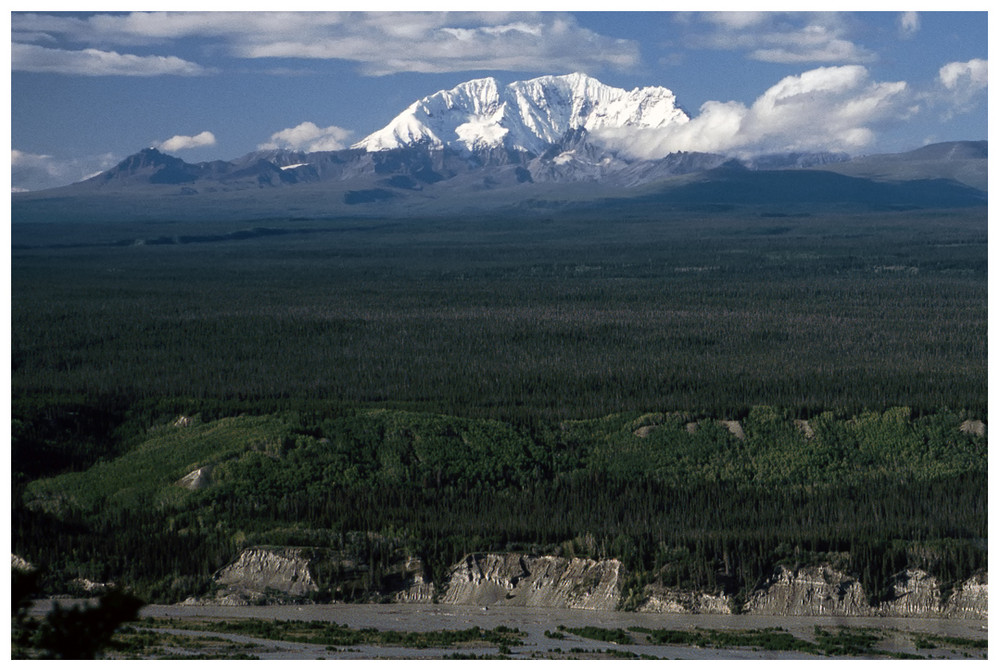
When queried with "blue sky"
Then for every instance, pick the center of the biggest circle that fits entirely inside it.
(89, 89)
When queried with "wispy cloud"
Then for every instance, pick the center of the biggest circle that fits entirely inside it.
(830, 108)
(181, 142)
(387, 43)
(30, 172)
(309, 137)
(29, 161)
(736, 20)
(142, 28)
(909, 24)
(778, 37)
(379, 42)
(94, 62)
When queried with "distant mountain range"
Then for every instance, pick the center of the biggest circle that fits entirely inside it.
(485, 146)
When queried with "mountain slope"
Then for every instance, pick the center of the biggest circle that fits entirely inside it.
(733, 184)
(962, 161)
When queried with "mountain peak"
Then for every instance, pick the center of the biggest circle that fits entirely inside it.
(526, 116)
(151, 155)
(148, 165)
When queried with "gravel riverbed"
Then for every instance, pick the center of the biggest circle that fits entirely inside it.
(897, 633)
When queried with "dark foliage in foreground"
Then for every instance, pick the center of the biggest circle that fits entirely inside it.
(75, 633)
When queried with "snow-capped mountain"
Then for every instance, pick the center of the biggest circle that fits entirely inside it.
(528, 116)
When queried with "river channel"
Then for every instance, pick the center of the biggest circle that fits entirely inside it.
(534, 622)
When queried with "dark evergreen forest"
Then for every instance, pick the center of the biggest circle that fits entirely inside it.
(551, 384)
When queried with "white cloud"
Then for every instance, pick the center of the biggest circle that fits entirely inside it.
(736, 20)
(179, 142)
(19, 159)
(380, 42)
(828, 109)
(309, 137)
(30, 171)
(970, 75)
(779, 37)
(962, 86)
(823, 106)
(94, 62)
(909, 24)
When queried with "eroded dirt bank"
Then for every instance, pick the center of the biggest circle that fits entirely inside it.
(512, 579)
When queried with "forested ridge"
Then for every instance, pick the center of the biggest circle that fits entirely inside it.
(564, 386)
(694, 506)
